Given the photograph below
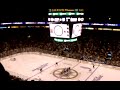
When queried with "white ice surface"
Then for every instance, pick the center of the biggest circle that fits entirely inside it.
(26, 62)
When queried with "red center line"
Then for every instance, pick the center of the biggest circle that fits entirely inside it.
(91, 73)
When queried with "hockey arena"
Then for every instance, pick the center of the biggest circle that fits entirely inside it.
(66, 45)
(44, 67)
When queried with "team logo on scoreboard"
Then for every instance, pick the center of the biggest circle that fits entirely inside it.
(77, 30)
(58, 30)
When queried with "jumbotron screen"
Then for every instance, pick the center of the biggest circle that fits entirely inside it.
(59, 30)
(63, 31)
(77, 30)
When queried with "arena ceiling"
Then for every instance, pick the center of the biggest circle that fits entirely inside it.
(37, 10)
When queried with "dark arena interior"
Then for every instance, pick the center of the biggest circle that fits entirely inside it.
(97, 43)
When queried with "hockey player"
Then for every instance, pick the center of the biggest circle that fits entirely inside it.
(40, 70)
(56, 63)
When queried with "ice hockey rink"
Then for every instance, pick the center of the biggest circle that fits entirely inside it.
(28, 65)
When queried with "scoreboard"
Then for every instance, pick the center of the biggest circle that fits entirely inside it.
(74, 15)
(63, 31)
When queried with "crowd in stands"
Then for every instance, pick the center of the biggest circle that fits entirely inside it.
(91, 46)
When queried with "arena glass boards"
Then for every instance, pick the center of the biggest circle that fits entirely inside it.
(59, 30)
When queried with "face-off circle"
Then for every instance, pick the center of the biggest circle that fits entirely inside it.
(58, 30)
(65, 75)
(77, 30)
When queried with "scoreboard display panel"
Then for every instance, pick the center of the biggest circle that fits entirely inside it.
(59, 30)
(77, 30)
(55, 15)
